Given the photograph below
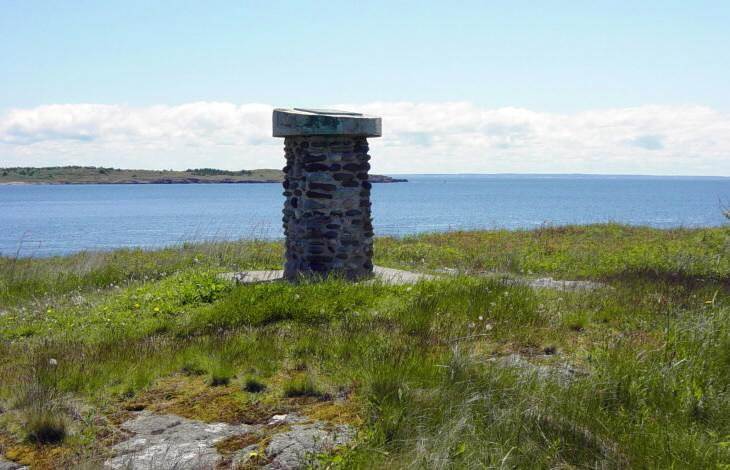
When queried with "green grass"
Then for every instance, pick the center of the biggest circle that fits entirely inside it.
(464, 371)
(302, 386)
(45, 427)
(253, 385)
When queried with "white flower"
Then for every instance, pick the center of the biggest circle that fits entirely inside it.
(53, 362)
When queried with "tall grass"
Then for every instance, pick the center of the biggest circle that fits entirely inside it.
(448, 373)
(27, 279)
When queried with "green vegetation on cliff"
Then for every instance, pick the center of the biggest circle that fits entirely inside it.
(470, 370)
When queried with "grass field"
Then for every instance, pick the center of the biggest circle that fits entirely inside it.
(464, 371)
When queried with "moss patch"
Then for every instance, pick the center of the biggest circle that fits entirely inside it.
(42, 457)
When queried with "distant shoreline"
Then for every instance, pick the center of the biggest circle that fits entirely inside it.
(78, 175)
(373, 179)
(69, 183)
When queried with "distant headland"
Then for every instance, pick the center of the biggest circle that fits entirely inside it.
(102, 175)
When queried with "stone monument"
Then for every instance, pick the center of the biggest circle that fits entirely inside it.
(327, 222)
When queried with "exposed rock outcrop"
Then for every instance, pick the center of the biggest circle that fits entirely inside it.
(162, 442)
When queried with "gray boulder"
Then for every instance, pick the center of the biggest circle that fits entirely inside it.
(8, 465)
(164, 442)
(167, 442)
(292, 449)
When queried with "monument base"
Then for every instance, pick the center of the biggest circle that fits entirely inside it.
(380, 274)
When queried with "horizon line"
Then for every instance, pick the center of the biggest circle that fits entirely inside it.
(622, 175)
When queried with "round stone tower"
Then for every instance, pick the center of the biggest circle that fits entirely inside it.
(327, 222)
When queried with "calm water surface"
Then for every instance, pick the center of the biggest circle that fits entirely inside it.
(37, 220)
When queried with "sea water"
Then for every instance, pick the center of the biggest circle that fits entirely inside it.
(43, 220)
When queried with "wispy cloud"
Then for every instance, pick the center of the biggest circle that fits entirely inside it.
(418, 137)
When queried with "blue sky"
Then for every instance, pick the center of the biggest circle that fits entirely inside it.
(552, 56)
(556, 58)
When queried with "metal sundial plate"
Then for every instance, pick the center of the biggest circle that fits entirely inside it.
(336, 112)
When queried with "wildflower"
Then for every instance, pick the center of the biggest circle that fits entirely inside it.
(136, 305)
(481, 318)
(156, 309)
(52, 362)
(50, 310)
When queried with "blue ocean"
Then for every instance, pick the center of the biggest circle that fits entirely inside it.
(45, 220)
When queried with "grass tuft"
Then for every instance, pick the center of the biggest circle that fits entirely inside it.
(220, 375)
(45, 426)
(193, 366)
(253, 385)
(302, 386)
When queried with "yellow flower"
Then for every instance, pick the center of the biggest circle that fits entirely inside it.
(136, 305)
(156, 309)
(49, 310)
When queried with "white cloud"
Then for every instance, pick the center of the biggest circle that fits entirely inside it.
(418, 138)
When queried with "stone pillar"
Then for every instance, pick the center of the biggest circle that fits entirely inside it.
(327, 222)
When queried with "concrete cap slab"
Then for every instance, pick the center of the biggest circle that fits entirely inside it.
(306, 121)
